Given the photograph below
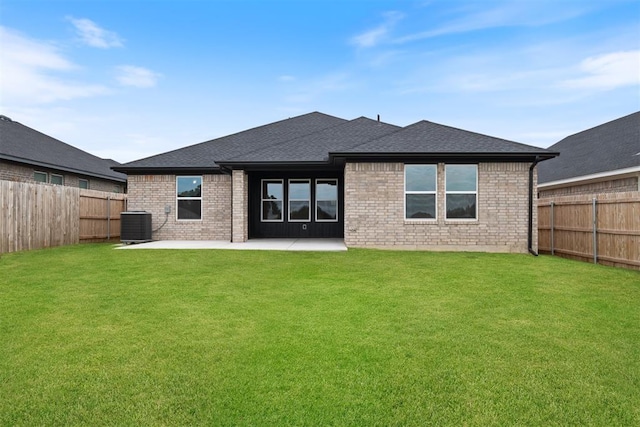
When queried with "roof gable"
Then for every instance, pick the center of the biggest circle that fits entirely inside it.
(610, 146)
(316, 147)
(205, 155)
(433, 138)
(20, 143)
(322, 139)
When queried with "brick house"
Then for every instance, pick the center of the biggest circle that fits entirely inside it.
(424, 186)
(27, 155)
(603, 159)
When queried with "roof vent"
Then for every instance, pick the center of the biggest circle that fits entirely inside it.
(5, 118)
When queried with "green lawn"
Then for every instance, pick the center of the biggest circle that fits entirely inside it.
(94, 336)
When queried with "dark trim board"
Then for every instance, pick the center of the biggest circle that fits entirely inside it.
(291, 229)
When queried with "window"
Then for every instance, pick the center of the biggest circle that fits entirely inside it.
(40, 177)
(83, 183)
(326, 200)
(299, 200)
(461, 191)
(272, 198)
(189, 197)
(56, 179)
(420, 184)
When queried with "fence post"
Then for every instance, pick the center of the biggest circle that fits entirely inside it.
(552, 221)
(108, 218)
(595, 232)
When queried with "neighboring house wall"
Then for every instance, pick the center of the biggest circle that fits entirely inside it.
(152, 193)
(374, 211)
(611, 186)
(24, 173)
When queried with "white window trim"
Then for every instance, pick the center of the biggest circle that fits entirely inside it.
(460, 192)
(51, 175)
(190, 198)
(337, 200)
(434, 192)
(289, 199)
(85, 180)
(262, 200)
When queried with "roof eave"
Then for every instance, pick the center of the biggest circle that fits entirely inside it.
(273, 165)
(592, 178)
(155, 170)
(466, 156)
(63, 168)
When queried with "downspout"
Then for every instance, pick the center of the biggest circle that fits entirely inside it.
(530, 230)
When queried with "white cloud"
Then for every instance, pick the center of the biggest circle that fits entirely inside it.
(504, 13)
(32, 72)
(374, 36)
(608, 71)
(130, 75)
(93, 35)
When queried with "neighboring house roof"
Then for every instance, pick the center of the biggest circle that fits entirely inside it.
(19, 143)
(610, 147)
(317, 138)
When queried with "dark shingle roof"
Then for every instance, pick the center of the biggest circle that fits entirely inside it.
(316, 147)
(611, 146)
(432, 138)
(316, 137)
(206, 154)
(22, 144)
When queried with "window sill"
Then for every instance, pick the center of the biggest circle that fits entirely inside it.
(462, 221)
(429, 221)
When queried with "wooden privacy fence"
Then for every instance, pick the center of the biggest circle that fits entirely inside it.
(601, 229)
(100, 215)
(34, 216)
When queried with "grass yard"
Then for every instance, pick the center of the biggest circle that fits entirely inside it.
(94, 336)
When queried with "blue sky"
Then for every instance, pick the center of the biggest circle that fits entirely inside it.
(128, 79)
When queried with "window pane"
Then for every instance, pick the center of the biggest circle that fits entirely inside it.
(299, 190)
(272, 190)
(83, 183)
(189, 186)
(271, 211)
(40, 176)
(327, 210)
(421, 206)
(189, 209)
(56, 179)
(461, 177)
(299, 210)
(420, 177)
(326, 190)
(461, 206)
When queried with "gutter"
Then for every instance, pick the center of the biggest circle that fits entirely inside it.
(530, 229)
(61, 168)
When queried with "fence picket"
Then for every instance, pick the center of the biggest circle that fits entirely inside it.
(34, 216)
(604, 229)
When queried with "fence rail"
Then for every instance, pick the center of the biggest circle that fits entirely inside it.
(601, 229)
(34, 216)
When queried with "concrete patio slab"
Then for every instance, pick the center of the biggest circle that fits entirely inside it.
(253, 244)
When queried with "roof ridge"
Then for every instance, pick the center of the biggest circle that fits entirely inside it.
(480, 134)
(595, 127)
(231, 135)
(10, 122)
(346, 122)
